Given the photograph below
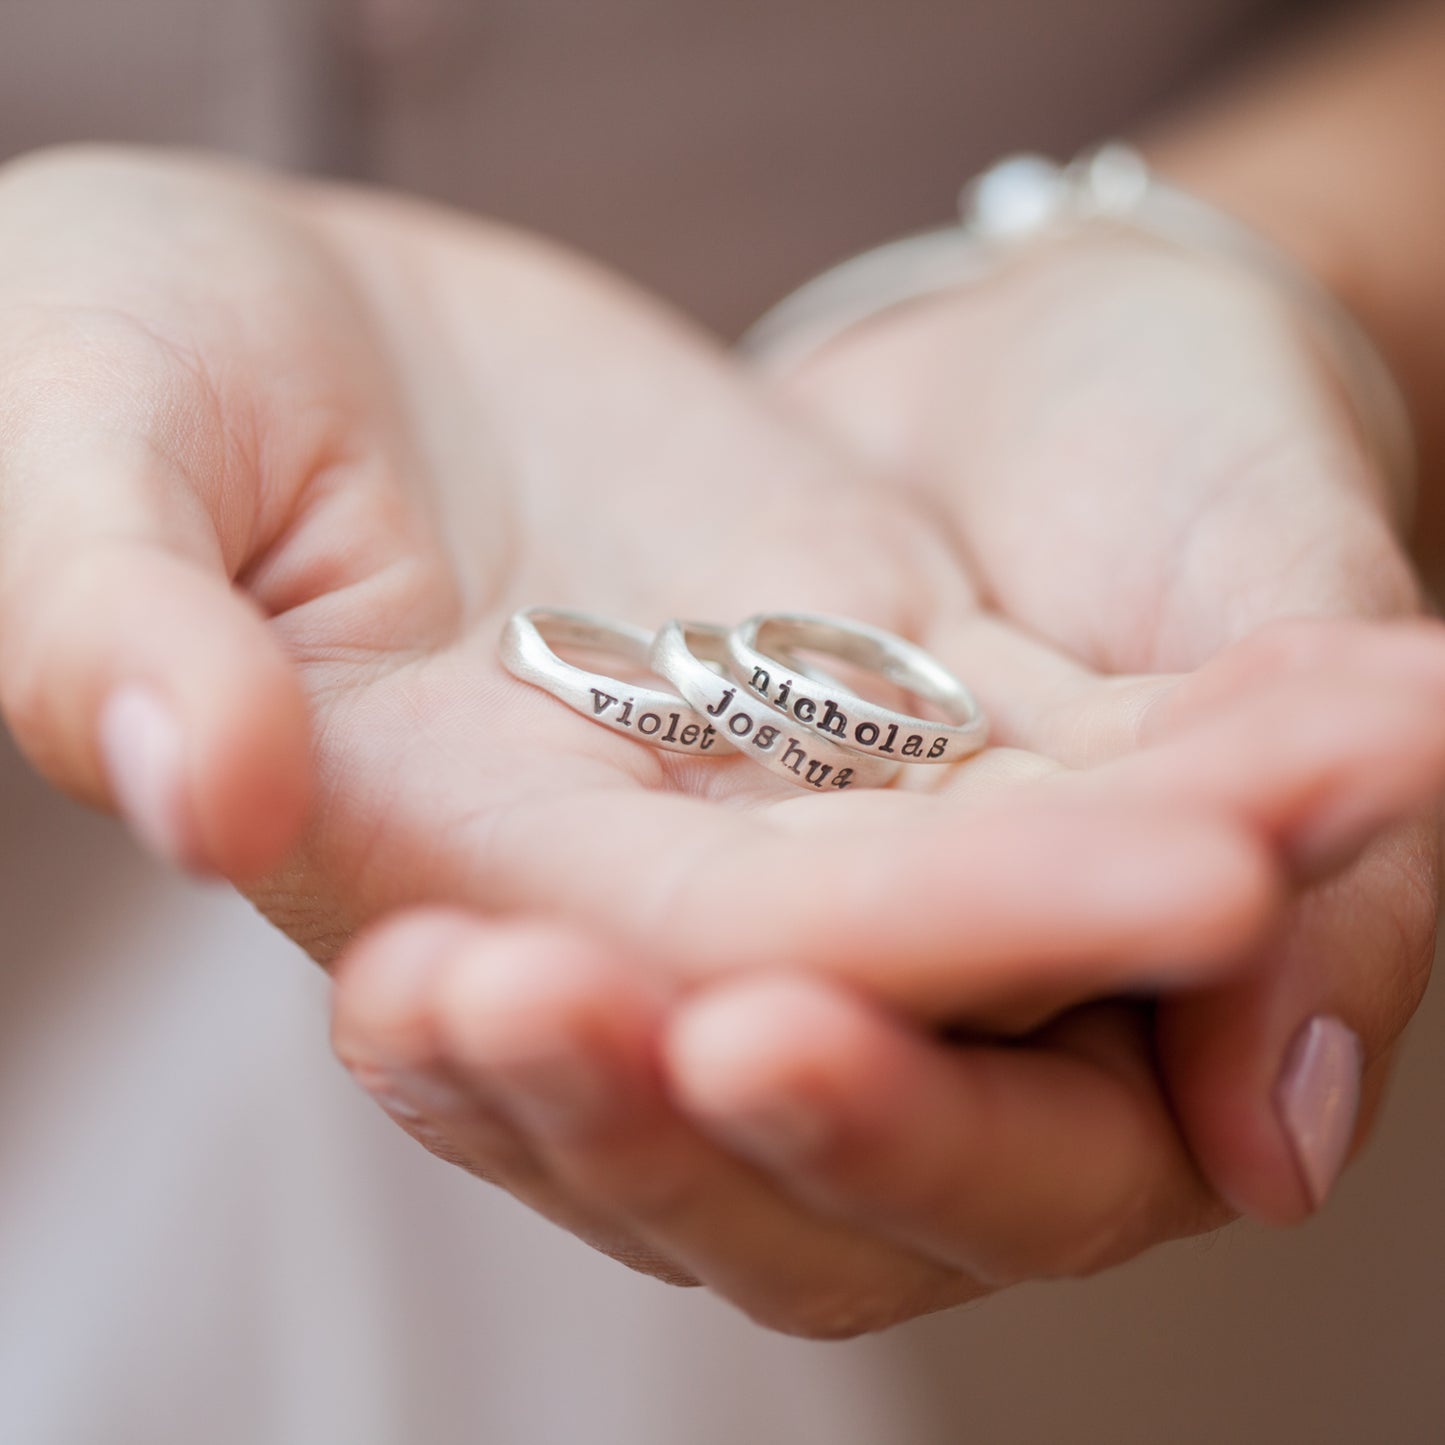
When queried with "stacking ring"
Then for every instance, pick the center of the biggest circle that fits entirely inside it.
(682, 652)
(644, 714)
(762, 650)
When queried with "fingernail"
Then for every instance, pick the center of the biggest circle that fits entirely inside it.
(142, 750)
(556, 1095)
(1318, 1098)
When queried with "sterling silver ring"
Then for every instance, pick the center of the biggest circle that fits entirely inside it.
(761, 652)
(682, 652)
(645, 714)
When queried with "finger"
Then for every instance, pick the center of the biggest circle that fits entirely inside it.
(1037, 696)
(1319, 732)
(1274, 1074)
(1008, 1163)
(387, 1030)
(562, 1034)
(132, 672)
(933, 904)
(1317, 757)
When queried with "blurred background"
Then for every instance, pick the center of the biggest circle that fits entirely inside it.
(206, 1235)
(718, 152)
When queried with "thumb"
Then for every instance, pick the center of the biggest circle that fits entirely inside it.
(1327, 734)
(133, 674)
(1275, 1074)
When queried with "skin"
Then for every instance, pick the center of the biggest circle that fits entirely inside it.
(1357, 97)
(1147, 462)
(852, 1117)
(288, 456)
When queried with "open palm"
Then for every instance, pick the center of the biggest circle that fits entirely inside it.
(1147, 459)
(285, 458)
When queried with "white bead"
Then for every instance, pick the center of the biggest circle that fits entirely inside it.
(1015, 198)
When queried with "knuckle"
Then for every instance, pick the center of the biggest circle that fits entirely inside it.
(1289, 645)
(662, 1195)
(1003, 1269)
(1133, 1213)
(379, 1007)
(1107, 1245)
(1086, 1252)
(869, 1175)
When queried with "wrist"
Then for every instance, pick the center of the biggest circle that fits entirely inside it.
(1378, 278)
(1025, 203)
(1331, 148)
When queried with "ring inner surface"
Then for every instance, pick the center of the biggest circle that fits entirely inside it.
(598, 642)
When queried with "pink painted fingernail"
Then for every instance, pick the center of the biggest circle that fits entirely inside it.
(143, 753)
(1318, 1099)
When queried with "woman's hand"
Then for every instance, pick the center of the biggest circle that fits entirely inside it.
(861, 1171)
(279, 460)
(1144, 460)
(535, 1059)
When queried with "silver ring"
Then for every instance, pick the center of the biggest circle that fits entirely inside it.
(681, 653)
(761, 651)
(644, 714)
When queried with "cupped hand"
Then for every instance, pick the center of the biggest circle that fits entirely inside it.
(278, 461)
(543, 1061)
(815, 1157)
(1144, 458)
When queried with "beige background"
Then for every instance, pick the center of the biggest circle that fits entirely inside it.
(719, 150)
(205, 1235)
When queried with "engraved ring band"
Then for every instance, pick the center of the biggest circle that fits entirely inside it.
(762, 652)
(645, 714)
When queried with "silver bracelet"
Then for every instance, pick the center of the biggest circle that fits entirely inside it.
(1025, 199)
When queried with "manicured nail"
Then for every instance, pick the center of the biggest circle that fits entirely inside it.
(558, 1096)
(143, 753)
(1318, 1099)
